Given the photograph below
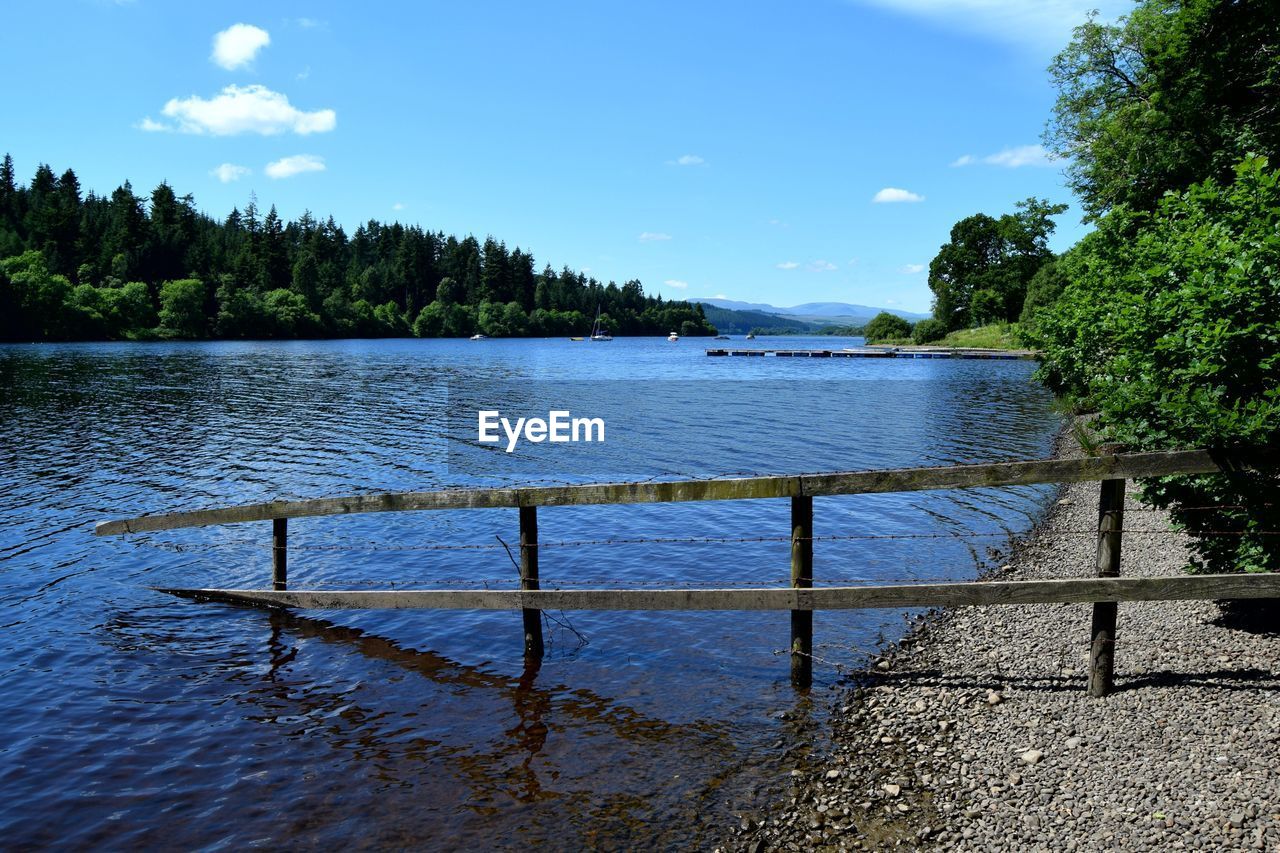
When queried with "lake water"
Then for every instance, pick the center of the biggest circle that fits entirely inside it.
(134, 718)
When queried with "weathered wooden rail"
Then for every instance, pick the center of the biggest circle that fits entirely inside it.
(801, 599)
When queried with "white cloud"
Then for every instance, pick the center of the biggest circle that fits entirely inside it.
(912, 269)
(242, 109)
(303, 74)
(687, 160)
(652, 236)
(889, 195)
(309, 23)
(151, 126)
(1012, 158)
(287, 167)
(820, 266)
(398, 206)
(677, 283)
(719, 296)
(788, 265)
(229, 172)
(1023, 155)
(1040, 25)
(237, 45)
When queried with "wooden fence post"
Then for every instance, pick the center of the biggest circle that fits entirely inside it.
(1103, 644)
(529, 580)
(802, 578)
(279, 553)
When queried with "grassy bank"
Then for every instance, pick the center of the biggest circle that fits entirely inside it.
(998, 336)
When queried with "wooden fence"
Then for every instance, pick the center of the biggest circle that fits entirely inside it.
(1104, 591)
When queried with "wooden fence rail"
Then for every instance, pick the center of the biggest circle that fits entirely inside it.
(801, 598)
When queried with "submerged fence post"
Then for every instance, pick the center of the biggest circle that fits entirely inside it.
(529, 580)
(1103, 643)
(279, 553)
(801, 578)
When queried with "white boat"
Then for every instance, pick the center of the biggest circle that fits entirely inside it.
(598, 332)
(673, 337)
(479, 337)
(751, 337)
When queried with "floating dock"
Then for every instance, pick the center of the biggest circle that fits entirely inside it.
(881, 352)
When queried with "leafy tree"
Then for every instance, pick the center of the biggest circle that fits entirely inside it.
(287, 315)
(1178, 91)
(40, 297)
(886, 327)
(182, 308)
(1044, 289)
(981, 275)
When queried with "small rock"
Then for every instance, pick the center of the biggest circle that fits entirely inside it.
(1236, 819)
(882, 665)
(892, 790)
(994, 698)
(833, 774)
(1073, 742)
(1032, 756)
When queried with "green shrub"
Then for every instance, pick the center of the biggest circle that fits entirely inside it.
(887, 327)
(928, 331)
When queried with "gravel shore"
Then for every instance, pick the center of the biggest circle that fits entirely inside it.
(976, 733)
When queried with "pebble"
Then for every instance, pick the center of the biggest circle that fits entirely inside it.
(1181, 757)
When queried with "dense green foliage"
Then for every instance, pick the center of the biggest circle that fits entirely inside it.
(1170, 328)
(927, 331)
(886, 327)
(1180, 91)
(982, 273)
(124, 267)
(1168, 322)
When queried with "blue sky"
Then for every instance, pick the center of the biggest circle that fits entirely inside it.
(705, 148)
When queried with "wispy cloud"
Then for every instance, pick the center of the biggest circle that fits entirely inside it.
(912, 269)
(677, 284)
(150, 125)
(229, 172)
(287, 167)
(652, 236)
(1038, 25)
(237, 45)
(241, 109)
(892, 195)
(1011, 158)
(687, 160)
(309, 23)
(788, 265)
(820, 266)
(398, 206)
(303, 74)
(719, 296)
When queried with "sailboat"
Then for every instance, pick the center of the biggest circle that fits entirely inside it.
(598, 332)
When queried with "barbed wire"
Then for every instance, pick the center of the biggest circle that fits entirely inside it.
(373, 547)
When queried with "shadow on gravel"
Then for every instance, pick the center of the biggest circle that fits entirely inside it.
(1253, 616)
(1252, 680)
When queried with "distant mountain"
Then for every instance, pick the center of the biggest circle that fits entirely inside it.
(730, 321)
(820, 312)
